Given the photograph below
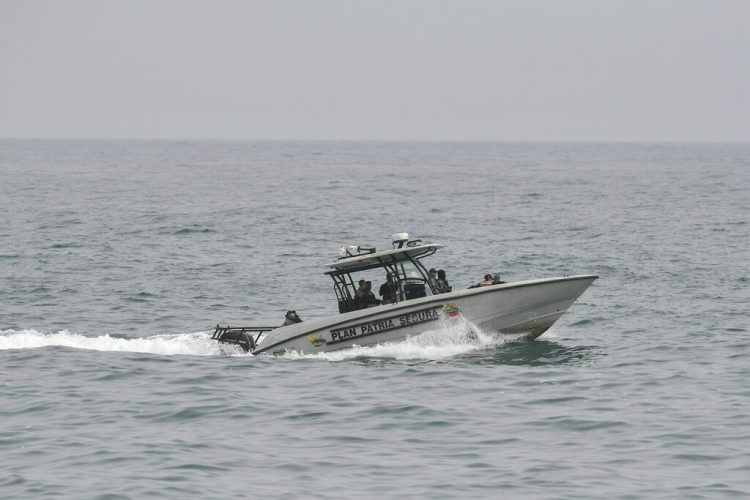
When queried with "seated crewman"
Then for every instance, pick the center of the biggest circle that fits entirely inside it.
(487, 281)
(359, 295)
(369, 300)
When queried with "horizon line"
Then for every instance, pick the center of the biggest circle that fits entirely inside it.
(390, 140)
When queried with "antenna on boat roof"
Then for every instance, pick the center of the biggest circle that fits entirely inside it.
(399, 239)
(354, 251)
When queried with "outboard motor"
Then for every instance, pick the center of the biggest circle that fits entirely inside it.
(246, 337)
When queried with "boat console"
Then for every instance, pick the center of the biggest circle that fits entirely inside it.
(402, 262)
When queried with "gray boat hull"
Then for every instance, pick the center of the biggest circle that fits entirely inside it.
(520, 309)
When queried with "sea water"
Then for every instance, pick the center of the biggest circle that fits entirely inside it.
(117, 258)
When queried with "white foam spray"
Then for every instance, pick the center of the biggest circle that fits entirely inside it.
(450, 338)
(192, 344)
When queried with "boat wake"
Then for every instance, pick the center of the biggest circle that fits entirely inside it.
(448, 340)
(190, 344)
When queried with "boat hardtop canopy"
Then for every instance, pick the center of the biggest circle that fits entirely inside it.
(370, 260)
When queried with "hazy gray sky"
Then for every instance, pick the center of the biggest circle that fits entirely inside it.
(675, 70)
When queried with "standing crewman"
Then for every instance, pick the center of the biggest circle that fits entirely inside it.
(359, 295)
(433, 281)
(443, 282)
(388, 290)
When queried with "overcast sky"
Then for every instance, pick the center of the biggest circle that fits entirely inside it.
(656, 70)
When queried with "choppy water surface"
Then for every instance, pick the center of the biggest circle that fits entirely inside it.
(117, 258)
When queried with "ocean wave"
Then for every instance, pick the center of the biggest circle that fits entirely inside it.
(193, 230)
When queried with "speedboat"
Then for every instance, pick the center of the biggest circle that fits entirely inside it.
(418, 303)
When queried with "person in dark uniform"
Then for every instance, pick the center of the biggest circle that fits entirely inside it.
(359, 295)
(433, 281)
(487, 281)
(443, 282)
(370, 300)
(291, 318)
(388, 290)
